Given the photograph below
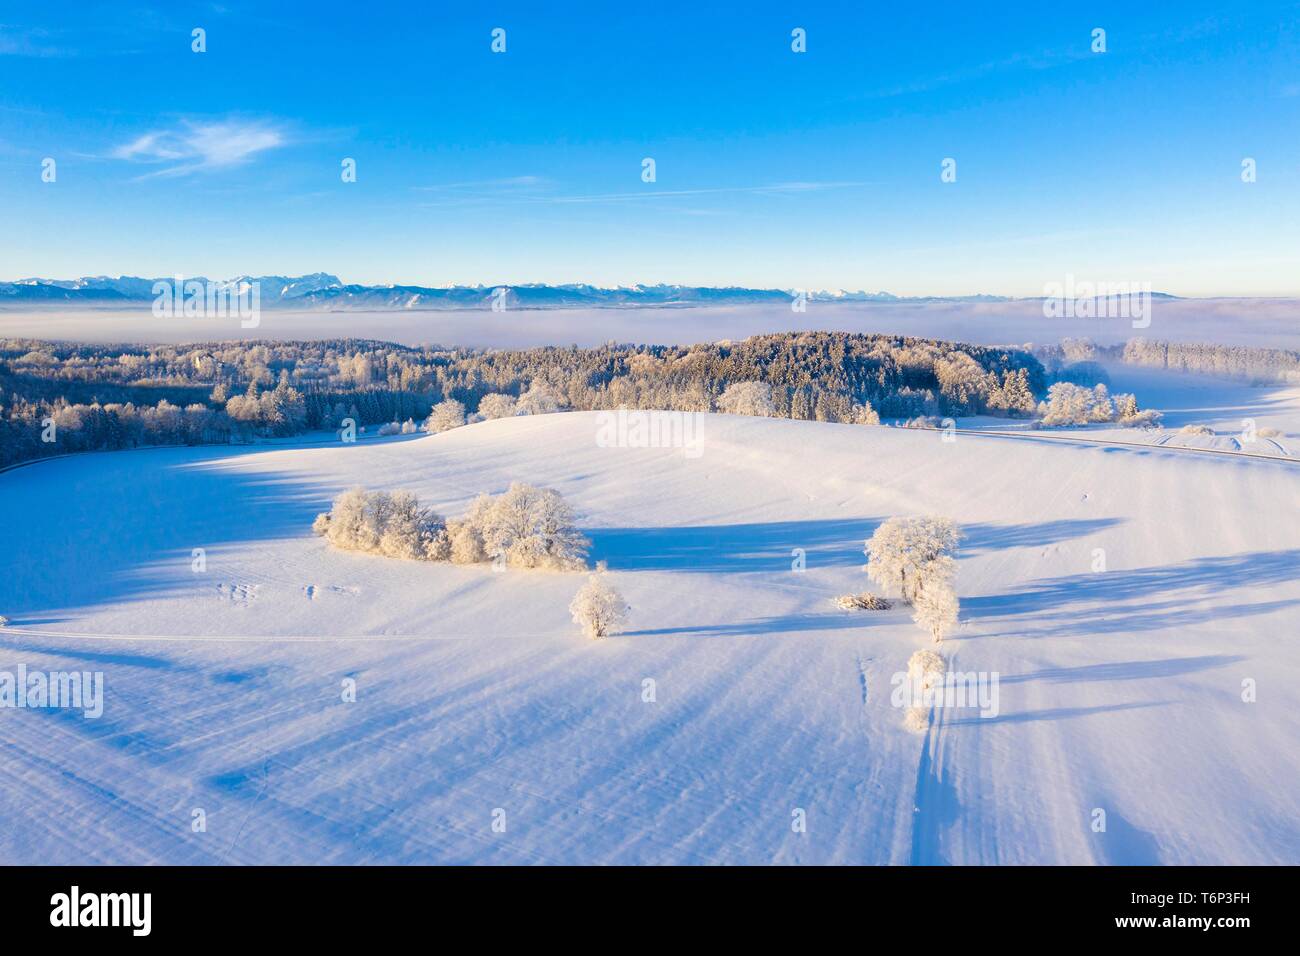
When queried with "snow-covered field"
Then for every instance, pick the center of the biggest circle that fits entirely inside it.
(477, 700)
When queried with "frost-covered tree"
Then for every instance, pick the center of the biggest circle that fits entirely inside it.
(926, 668)
(445, 416)
(1067, 404)
(1012, 396)
(905, 553)
(465, 544)
(935, 608)
(1101, 408)
(864, 414)
(538, 400)
(962, 383)
(925, 671)
(747, 398)
(531, 527)
(598, 608)
(411, 531)
(496, 405)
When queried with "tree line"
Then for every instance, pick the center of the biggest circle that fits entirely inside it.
(61, 397)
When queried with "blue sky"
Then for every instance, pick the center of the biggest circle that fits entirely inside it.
(773, 168)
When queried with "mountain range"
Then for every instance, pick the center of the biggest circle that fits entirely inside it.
(321, 290)
(326, 292)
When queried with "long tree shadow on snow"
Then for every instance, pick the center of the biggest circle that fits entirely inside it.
(104, 529)
(780, 624)
(769, 546)
(1140, 599)
(1125, 670)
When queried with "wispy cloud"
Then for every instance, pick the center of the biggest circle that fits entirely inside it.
(24, 41)
(509, 182)
(201, 146)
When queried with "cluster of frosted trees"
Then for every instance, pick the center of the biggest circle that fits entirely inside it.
(524, 527)
(450, 413)
(1069, 404)
(755, 399)
(537, 400)
(1235, 361)
(914, 556)
(33, 430)
(1075, 358)
(391, 523)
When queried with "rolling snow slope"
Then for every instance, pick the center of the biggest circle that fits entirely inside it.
(1120, 690)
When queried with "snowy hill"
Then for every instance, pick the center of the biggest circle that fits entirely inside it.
(1120, 689)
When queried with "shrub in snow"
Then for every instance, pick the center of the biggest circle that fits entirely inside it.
(538, 400)
(392, 428)
(381, 522)
(866, 601)
(4, 621)
(409, 427)
(598, 608)
(747, 398)
(1196, 430)
(1150, 418)
(922, 421)
(935, 608)
(445, 416)
(531, 527)
(496, 405)
(905, 553)
(1268, 433)
(1129, 415)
